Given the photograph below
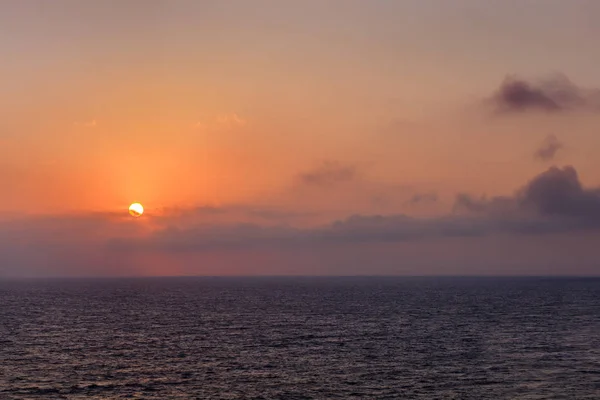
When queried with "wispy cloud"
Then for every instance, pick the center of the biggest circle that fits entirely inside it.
(224, 121)
(548, 149)
(329, 173)
(421, 198)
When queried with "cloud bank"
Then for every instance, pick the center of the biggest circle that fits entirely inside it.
(553, 202)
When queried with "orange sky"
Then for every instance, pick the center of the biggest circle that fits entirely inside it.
(316, 111)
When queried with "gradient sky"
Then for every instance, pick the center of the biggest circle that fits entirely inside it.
(284, 137)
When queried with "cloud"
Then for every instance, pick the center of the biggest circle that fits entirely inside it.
(421, 198)
(74, 244)
(548, 149)
(553, 95)
(230, 120)
(556, 193)
(329, 173)
(224, 214)
(553, 202)
(224, 121)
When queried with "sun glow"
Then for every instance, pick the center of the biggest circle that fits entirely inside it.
(136, 210)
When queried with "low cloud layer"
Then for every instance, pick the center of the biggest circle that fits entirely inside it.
(552, 203)
(549, 148)
(553, 95)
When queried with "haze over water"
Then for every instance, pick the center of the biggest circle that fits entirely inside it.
(300, 338)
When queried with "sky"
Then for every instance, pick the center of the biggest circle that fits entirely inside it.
(336, 137)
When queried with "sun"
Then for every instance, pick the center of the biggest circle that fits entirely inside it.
(136, 210)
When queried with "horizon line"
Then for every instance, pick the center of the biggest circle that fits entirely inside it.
(114, 277)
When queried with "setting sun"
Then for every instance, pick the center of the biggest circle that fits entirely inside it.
(136, 210)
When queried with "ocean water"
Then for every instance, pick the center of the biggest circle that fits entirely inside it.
(300, 338)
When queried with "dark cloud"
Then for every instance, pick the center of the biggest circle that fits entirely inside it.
(556, 94)
(516, 95)
(547, 151)
(558, 192)
(329, 173)
(555, 193)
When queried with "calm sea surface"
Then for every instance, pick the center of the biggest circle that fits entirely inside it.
(300, 338)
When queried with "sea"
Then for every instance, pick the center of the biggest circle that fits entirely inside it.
(300, 338)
